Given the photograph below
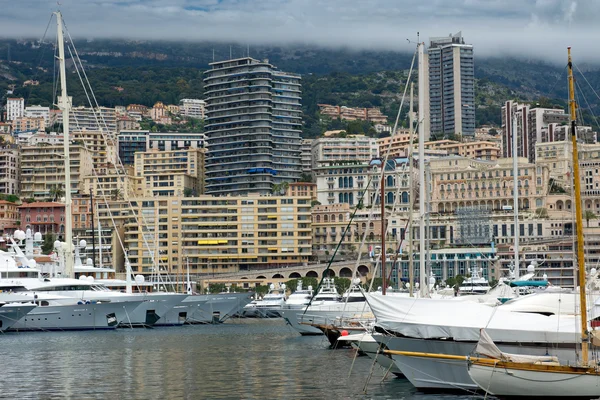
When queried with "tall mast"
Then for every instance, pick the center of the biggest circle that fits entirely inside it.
(411, 270)
(515, 193)
(383, 228)
(93, 232)
(422, 277)
(579, 216)
(64, 105)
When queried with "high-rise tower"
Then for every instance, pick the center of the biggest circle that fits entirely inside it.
(451, 86)
(253, 126)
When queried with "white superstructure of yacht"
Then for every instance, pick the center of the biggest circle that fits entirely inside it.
(475, 284)
(269, 306)
(300, 298)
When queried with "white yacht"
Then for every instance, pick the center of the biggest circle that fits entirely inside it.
(12, 310)
(269, 306)
(300, 298)
(475, 284)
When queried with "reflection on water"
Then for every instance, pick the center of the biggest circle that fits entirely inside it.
(246, 359)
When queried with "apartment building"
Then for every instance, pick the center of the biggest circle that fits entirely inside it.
(398, 147)
(28, 124)
(93, 119)
(113, 183)
(102, 146)
(218, 234)
(353, 148)
(44, 217)
(37, 112)
(15, 108)
(9, 216)
(170, 173)
(9, 169)
(253, 126)
(306, 156)
(351, 114)
(42, 168)
(194, 108)
(130, 142)
(302, 189)
(462, 182)
(451, 86)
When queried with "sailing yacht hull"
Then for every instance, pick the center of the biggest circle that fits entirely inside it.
(300, 320)
(506, 382)
(437, 374)
(96, 316)
(369, 346)
(10, 314)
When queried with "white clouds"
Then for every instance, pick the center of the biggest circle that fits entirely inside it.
(536, 28)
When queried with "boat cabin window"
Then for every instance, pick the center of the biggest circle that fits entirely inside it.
(21, 274)
(354, 299)
(64, 288)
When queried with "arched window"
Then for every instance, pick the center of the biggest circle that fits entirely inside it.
(350, 182)
(351, 198)
(405, 198)
(390, 198)
(341, 197)
(340, 183)
(318, 218)
(341, 217)
(390, 181)
(325, 218)
(333, 218)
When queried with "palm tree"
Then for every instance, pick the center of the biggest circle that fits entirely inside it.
(589, 214)
(116, 194)
(56, 192)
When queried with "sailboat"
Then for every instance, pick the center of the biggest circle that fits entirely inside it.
(503, 375)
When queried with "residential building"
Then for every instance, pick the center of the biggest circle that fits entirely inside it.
(37, 138)
(44, 217)
(9, 169)
(176, 141)
(328, 227)
(131, 142)
(38, 112)
(28, 124)
(101, 145)
(451, 87)
(121, 111)
(481, 150)
(348, 182)
(458, 182)
(114, 184)
(158, 112)
(306, 156)
(170, 172)
(302, 189)
(15, 108)
(352, 148)
(137, 111)
(218, 234)
(253, 126)
(93, 119)
(351, 114)
(539, 120)
(125, 123)
(42, 168)
(9, 216)
(194, 108)
(5, 127)
(173, 109)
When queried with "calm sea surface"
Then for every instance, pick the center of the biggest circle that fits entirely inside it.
(243, 359)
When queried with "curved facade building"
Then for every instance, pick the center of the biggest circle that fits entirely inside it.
(253, 126)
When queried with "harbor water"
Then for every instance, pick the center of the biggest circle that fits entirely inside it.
(241, 359)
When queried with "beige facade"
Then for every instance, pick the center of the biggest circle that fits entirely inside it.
(218, 234)
(463, 182)
(170, 173)
(303, 189)
(101, 145)
(22, 124)
(9, 169)
(113, 184)
(353, 148)
(9, 215)
(350, 114)
(484, 150)
(101, 118)
(42, 167)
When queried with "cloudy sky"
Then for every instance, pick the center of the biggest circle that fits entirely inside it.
(537, 28)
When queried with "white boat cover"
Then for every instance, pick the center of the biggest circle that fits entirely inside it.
(461, 321)
(488, 348)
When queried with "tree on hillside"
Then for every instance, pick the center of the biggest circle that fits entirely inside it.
(48, 243)
(587, 215)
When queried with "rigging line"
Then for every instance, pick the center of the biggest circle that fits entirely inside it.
(589, 107)
(346, 230)
(383, 165)
(585, 79)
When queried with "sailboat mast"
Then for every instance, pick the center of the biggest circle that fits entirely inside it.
(579, 216)
(411, 270)
(422, 277)
(383, 229)
(93, 232)
(64, 105)
(515, 193)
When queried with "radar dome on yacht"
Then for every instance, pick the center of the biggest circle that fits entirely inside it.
(417, 285)
(593, 271)
(37, 236)
(272, 286)
(282, 286)
(531, 268)
(545, 277)
(82, 243)
(407, 284)
(82, 277)
(90, 279)
(379, 288)
(89, 261)
(356, 281)
(57, 244)
(139, 279)
(32, 263)
(310, 287)
(28, 232)
(19, 235)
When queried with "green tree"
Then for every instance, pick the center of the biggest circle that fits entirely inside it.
(306, 177)
(56, 192)
(587, 215)
(116, 194)
(188, 192)
(342, 284)
(280, 189)
(48, 243)
(541, 213)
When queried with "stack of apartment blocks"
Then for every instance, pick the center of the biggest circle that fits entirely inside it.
(351, 114)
